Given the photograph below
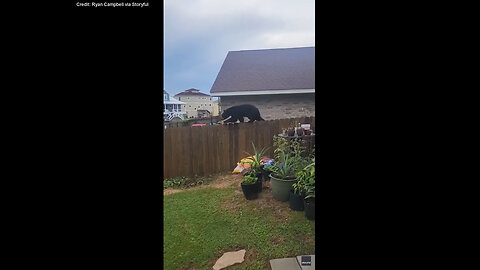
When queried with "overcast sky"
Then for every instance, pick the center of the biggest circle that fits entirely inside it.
(200, 33)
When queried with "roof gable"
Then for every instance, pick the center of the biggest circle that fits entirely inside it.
(192, 92)
(273, 69)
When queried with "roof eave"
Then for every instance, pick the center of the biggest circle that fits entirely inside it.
(262, 92)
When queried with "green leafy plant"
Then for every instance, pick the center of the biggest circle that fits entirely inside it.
(174, 182)
(306, 180)
(285, 169)
(257, 156)
(288, 158)
(249, 179)
(281, 147)
(310, 192)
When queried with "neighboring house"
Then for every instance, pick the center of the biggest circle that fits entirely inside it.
(195, 100)
(279, 82)
(216, 108)
(173, 110)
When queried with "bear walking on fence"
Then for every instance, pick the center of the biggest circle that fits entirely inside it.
(235, 113)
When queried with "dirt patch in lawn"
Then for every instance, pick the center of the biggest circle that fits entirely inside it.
(218, 181)
(224, 181)
(276, 240)
(169, 191)
(307, 239)
(264, 202)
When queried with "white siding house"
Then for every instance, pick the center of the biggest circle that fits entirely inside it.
(172, 108)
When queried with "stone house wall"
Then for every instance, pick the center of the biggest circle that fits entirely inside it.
(275, 106)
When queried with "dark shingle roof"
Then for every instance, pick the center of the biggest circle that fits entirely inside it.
(191, 92)
(273, 69)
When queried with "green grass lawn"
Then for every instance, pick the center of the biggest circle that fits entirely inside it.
(201, 224)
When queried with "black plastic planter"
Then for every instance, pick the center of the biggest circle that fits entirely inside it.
(250, 191)
(310, 208)
(296, 201)
(259, 182)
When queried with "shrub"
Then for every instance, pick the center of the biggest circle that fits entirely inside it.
(174, 182)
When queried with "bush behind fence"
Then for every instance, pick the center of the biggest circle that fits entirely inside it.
(190, 151)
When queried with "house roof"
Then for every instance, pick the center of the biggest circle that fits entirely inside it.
(266, 70)
(171, 100)
(191, 92)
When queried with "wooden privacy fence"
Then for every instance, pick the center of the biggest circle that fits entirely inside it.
(189, 122)
(190, 151)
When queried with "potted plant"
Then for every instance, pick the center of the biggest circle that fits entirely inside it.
(304, 177)
(290, 131)
(256, 165)
(299, 130)
(310, 205)
(288, 160)
(297, 195)
(249, 187)
(291, 128)
(309, 200)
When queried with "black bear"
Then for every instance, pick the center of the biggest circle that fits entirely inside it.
(235, 113)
